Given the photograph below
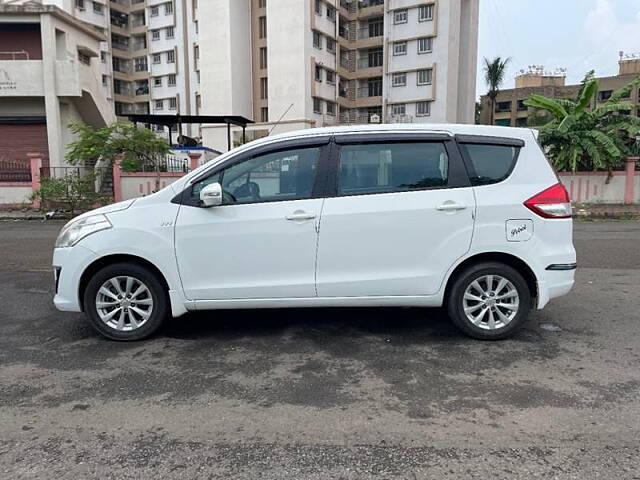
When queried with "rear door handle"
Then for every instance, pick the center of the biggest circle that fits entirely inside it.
(300, 216)
(451, 207)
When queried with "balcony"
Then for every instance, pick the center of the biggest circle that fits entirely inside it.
(372, 31)
(373, 90)
(372, 61)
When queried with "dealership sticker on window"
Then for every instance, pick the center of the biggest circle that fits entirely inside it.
(519, 230)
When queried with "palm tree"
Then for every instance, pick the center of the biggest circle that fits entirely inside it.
(494, 72)
(582, 135)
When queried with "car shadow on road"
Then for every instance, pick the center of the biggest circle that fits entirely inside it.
(406, 324)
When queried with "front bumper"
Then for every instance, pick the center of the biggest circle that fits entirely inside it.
(69, 264)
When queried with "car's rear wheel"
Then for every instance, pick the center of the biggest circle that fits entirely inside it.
(489, 301)
(125, 302)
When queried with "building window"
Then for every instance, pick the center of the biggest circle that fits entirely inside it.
(331, 13)
(155, 35)
(399, 109)
(264, 114)
(400, 16)
(263, 57)
(317, 106)
(318, 74)
(425, 13)
(103, 57)
(262, 3)
(317, 40)
(503, 107)
(399, 79)
(171, 80)
(604, 95)
(105, 80)
(140, 64)
(262, 27)
(423, 109)
(400, 48)
(168, 33)
(171, 56)
(157, 81)
(159, 104)
(331, 108)
(155, 11)
(318, 7)
(168, 8)
(80, 4)
(98, 8)
(331, 45)
(173, 103)
(425, 45)
(425, 77)
(264, 88)
(156, 58)
(331, 77)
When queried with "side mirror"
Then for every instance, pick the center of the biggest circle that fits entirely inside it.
(211, 195)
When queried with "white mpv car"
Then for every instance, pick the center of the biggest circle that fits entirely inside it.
(470, 217)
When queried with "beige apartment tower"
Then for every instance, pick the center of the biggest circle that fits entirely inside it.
(292, 64)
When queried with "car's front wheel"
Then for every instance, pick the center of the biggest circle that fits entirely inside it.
(125, 302)
(489, 301)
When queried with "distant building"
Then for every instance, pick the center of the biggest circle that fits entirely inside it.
(510, 110)
(50, 76)
(292, 64)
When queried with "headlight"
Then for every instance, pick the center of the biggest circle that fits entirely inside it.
(76, 230)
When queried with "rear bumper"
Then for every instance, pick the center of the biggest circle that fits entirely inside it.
(554, 284)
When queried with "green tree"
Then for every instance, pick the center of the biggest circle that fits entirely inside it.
(137, 147)
(494, 72)
(582, 135)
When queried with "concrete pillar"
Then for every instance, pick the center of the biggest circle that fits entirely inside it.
(195, 160)
(36, 165)
(117, 180)
(630, 180)
(51, 101)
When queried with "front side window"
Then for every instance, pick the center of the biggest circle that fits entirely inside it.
(490, 163)
(271, 177)
(392, 167)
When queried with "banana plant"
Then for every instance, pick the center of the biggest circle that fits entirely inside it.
(584, 135)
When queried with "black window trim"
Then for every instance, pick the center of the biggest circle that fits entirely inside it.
(457, 173)
(319, 183)
(489, 140)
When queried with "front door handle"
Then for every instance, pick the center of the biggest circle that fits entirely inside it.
(451, 207)
(299, 216)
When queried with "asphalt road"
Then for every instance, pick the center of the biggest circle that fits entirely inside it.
(320, 394)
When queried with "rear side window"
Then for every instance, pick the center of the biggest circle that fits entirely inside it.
(489, 163)
(392, 167)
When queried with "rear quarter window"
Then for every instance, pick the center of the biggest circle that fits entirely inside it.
(489, 163)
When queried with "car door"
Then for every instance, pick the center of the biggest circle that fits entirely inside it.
(401, 213)
(261, 242)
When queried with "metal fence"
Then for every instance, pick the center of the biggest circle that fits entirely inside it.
(170, 163)
(15, 171)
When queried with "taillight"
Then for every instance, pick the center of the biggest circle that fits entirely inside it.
(554, 202)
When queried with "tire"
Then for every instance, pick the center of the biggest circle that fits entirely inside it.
(509, 312)
(144, 312)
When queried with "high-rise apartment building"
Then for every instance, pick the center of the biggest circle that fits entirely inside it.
(149, 63)
(291, 64)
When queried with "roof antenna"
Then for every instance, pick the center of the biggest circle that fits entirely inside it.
(280, 119)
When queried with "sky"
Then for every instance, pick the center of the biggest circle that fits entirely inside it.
(579, 35)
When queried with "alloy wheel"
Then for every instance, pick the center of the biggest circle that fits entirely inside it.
(491, 302)
(124, 303)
